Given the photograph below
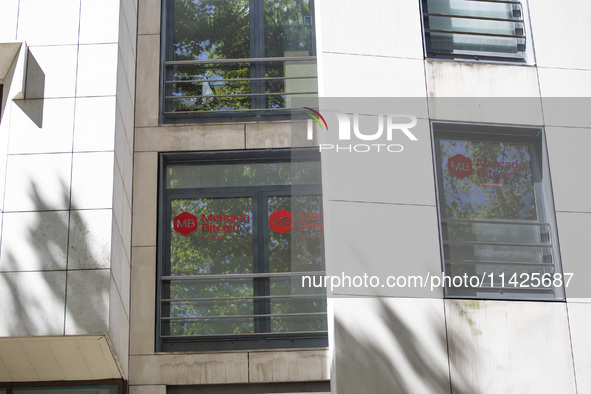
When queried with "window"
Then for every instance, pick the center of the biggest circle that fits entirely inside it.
(253, 388)
(90, 387)
(238, 231)
(236, 59)
(496, 212)
(489, 30)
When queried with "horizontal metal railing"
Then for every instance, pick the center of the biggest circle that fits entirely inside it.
(516, 2)
(544, 244)
(481, 18)
(490, 221)
(511, 263)
(473, 33)
(171, 300)
(178, 317)
(242, 335)
(483, 243)
(184, 81)
(243, 276)
(482, 39)
(247, 316)
(243, 60)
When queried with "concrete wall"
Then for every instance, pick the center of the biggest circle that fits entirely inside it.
(66, 170)
(409, 341)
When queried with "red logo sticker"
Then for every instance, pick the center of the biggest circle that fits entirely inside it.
(185, 223)
(460, 166)
(281, 221)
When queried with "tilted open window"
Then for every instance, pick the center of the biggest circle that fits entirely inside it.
(236, 59)
(489, 30)
(238, 231)
(496, 213)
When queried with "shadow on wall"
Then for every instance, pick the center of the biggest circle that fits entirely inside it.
(32, 106)
(367, 364)
(51, 298)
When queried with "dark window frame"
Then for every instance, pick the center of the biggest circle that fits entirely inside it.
(225, 342)
(524, 57)
(534, 137)
(121, 387)
(257, 51)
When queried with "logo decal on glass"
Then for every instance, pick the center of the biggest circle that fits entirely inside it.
(185, 223)
(460, 166)
(281, 221)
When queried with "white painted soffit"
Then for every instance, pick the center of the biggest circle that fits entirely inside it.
(32, 359)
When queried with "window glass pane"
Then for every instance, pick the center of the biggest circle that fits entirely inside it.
(222, 242)
(297, 250)
(289, 32)
(301, 248)
(498, 253)
(525, 232)
(289, 28)
(226, 80)
(208, 30)
(241, 238)
(493, 221)
(206, 307)
(298, 323)
(484, 9)
(251, 174)
(492, 180)
(198, 325)
(485, 27)
(90, 389)
(449, 42)
(211, 29)
(216, 34)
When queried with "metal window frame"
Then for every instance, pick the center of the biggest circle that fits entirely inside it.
(319, 387)
(257, 51)
(121, 387)
(525, 58)
(534, 136)
(259, 194)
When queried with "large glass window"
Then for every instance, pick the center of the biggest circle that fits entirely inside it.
(476, 30)
(239, 230)
(496, 213)
(237, 58)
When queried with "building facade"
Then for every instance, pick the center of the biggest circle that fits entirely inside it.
(174, 170)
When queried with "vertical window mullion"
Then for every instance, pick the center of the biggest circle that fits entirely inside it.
(265, 261)
(257, 51)
(261, 263)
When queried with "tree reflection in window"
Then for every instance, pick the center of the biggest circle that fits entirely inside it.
(225, 277)
(493, 216)
(230, 29)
